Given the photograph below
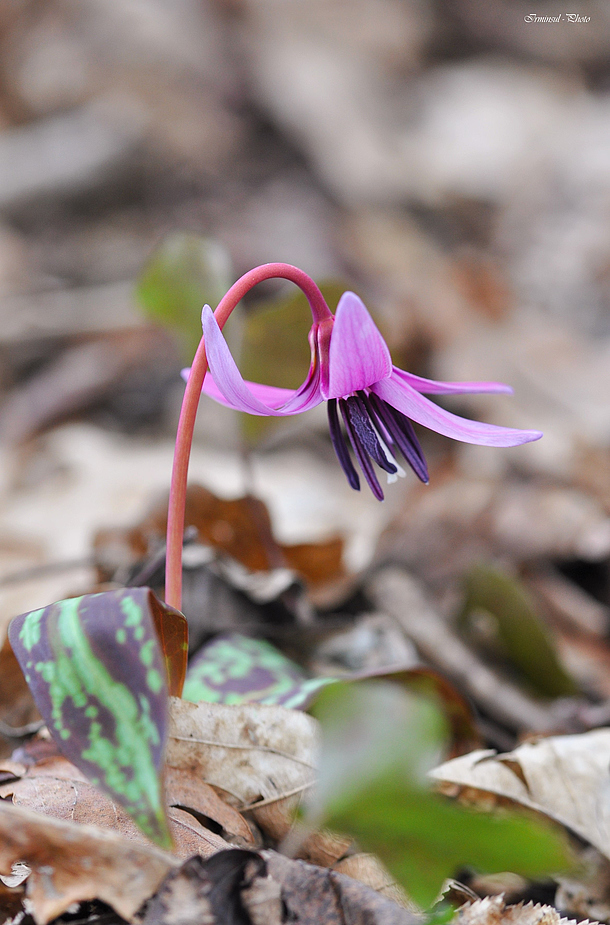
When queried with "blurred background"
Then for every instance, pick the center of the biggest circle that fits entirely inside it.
(450, 161)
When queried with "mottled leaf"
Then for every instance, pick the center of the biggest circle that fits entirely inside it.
(376, 745)
(234, 669)
(183, 274)
(95, 668)
(512, 624)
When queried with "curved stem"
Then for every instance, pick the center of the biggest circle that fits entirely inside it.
(190, 403)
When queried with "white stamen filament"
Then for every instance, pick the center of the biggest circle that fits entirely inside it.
(392, 476)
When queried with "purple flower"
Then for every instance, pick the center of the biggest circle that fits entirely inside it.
(351, 369)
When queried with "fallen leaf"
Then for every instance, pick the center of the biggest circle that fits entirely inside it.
(313, 895)
(54, 787)
(239, 527)
(368, 869)
(185, 791)
(17, 706)
(492, 910)
(257, 755)
(71, 863)
(563, 777)
(265, 888)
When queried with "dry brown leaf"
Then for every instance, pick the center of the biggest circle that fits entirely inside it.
(493, 911)
(191, 837)
(564, 777)
(185, 791)
(71, 863)
(312, 895)
(262, 757)
(369, 870)
(54, 787)
(239, 527)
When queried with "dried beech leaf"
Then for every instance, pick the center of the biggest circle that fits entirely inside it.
(319, 562)
(563, 777)
(313, 895)
(95, 668)
(254, 753)
(54, 787)
(71, 863)
(368, 869)
(184, 790)
(264, 888)
(191, 837)
(239, 527)
(17, 706)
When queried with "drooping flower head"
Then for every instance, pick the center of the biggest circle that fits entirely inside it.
(351, 369)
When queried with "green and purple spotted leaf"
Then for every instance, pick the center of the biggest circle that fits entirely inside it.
(234, 669)
(98, 676)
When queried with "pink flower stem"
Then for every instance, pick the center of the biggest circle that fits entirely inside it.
(190, 402)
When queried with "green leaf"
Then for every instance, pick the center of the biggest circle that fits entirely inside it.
(518, 633)
(377, 742)
(97, 674)
(275, 347)
(183, 274)
(236, 669)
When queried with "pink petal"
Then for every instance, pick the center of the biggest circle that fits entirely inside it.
(406, 400)
(434, 387)
(358, 355)
(229, 387)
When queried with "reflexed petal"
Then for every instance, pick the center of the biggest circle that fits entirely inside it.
(434, 387)
(268, 394)
(232, 390)
(409, 402)
(358, 355)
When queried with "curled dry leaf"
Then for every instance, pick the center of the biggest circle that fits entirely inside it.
(267, 889)
(493, 911)
(54, 787)
(71, 863)
(564, 777)
(312, 895)
(369, 870)
(239, 527)
(261, 757)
